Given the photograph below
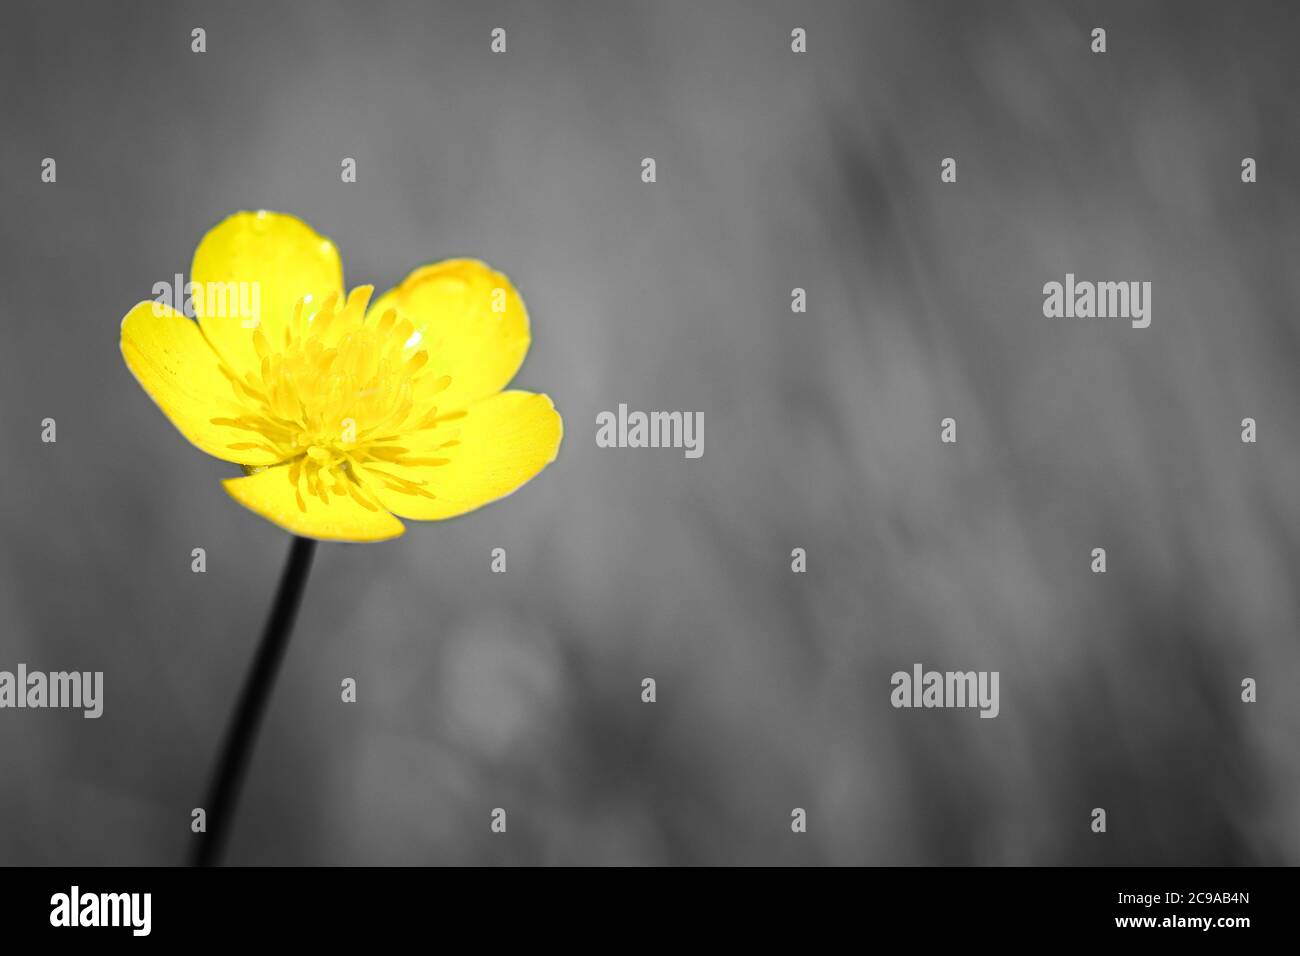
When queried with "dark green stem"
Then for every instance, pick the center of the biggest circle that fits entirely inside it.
(241, 736)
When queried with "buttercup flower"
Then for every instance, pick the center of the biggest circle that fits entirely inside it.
(346, 415)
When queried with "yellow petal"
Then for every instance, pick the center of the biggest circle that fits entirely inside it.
(173, 362)
(269, 258)
(499, 444)
(274, 496)
(472, 322)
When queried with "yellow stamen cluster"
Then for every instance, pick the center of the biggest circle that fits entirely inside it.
(335, 394)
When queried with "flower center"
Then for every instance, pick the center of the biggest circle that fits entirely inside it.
(335, 395)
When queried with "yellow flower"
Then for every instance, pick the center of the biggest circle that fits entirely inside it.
(344, 417)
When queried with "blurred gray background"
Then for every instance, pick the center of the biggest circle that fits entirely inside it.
(775, 170)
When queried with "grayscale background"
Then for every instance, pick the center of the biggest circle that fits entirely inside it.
(775, 170)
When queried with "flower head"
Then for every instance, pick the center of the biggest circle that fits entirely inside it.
(345, 414)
